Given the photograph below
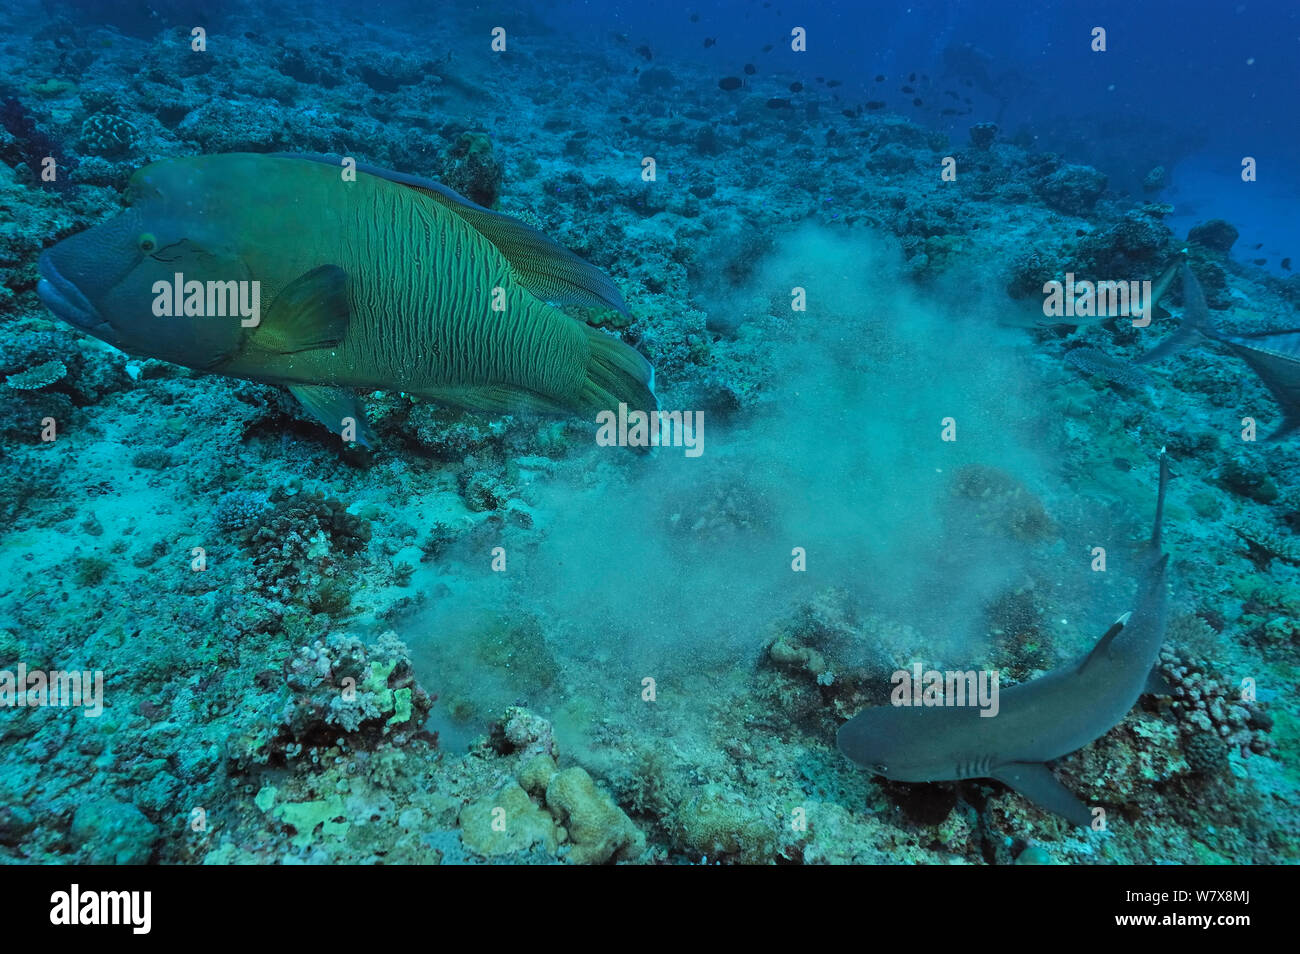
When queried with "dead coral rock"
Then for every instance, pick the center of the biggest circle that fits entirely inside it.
(342, 686)
(536, 774)
(797, 658)
(506, 821)
(521, 731)
(1072, 189)
(599, 831)
(471, 168)
(718, 824)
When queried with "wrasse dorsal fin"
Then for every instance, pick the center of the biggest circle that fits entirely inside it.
(1103, 645)
(543, 266)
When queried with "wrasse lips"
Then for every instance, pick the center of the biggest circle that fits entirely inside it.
(66, 300)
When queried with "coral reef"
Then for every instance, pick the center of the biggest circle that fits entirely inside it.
(1072, 189)
(983, 134)
(1214, 720)
(1215, 235)
(471, 168)
(108, 135)
(1001, 503)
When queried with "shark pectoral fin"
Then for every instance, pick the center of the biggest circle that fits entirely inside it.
(311, 312)
(337, 409)
(1103, 644)
(1035, 781)
(1158, 684)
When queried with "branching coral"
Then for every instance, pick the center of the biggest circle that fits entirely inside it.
(342, 687)
(297, 542)
(1212, 715)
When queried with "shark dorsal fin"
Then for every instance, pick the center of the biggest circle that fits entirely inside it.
(1103, 644)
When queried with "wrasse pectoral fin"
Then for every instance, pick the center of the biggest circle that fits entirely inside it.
(311, 312)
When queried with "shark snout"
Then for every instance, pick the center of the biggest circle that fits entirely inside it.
(857, 743)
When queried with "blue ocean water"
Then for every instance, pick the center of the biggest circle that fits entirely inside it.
(533, 433)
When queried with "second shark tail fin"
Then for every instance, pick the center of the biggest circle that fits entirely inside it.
(1196, 314)
(1275, 357)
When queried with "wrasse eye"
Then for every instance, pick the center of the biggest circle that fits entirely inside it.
(147, 242)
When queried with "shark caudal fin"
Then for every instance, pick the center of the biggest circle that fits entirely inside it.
(1275, 357)
(1196, 314)
(1160, 501)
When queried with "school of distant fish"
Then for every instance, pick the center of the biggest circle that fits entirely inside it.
(960, 105)
(965, 67)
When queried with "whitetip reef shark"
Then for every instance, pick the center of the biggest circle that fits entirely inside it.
(1273, 355)
(1038, 721)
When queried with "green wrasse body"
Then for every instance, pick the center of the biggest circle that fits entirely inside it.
(377, 282)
